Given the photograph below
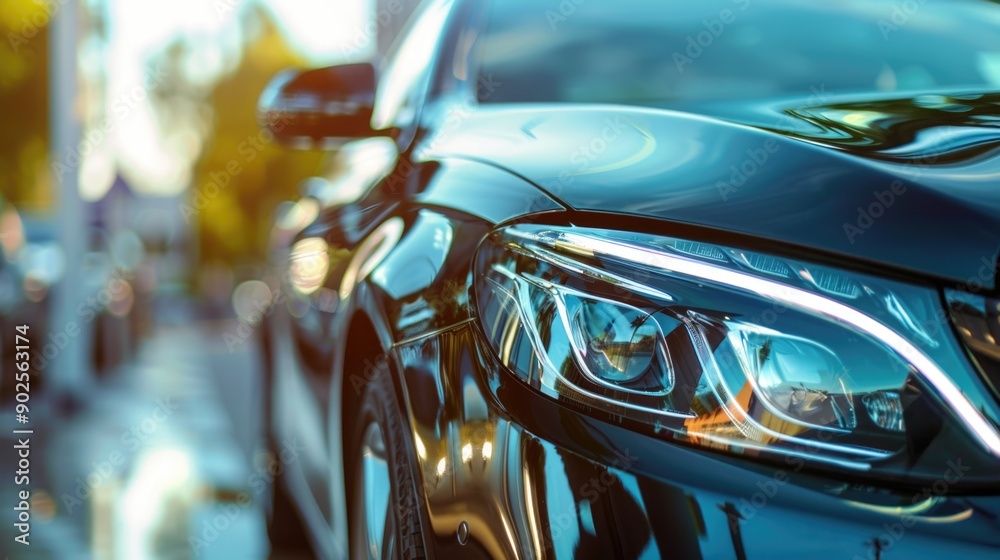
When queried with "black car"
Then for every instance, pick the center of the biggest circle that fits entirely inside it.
(642, 279)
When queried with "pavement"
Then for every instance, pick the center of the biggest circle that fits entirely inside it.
(160, 460)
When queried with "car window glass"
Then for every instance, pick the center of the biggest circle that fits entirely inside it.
(647, 52)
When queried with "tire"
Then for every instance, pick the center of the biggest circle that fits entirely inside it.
(380, 435)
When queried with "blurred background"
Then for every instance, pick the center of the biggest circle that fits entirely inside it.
(136, 201)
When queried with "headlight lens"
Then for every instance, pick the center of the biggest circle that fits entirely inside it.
(723, 348)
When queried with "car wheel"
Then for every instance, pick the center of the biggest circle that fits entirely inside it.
(384, 518)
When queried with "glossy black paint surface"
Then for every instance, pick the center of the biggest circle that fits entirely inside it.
(900, 198)
(559, 484)
(532, 477)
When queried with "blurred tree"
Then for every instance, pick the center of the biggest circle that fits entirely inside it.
(25, 177)
(241, 175)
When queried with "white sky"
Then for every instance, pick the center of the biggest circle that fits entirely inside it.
(320, 29)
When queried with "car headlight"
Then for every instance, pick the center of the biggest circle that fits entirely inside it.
(731, 349)
(977, 319)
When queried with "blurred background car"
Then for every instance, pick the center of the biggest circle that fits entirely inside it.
(137, 202)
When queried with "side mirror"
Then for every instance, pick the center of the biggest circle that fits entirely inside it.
(323, 106)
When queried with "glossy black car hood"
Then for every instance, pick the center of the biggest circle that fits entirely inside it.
(908, 183)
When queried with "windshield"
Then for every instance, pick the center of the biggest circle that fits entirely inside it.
(656, 53)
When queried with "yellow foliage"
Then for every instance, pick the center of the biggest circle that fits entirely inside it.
(20, 16)
(236, 224)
